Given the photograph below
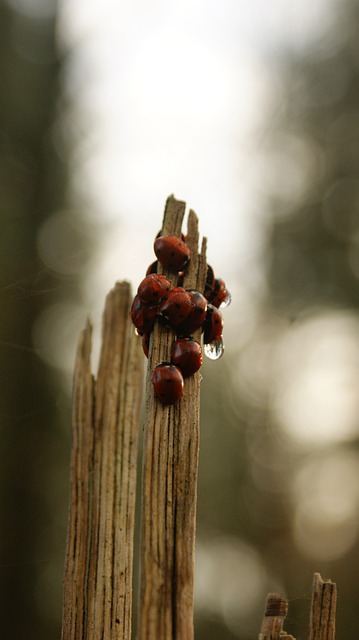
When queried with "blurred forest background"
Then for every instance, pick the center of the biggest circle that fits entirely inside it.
(279, 461)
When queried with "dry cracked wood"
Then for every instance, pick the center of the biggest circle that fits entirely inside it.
(99, 559)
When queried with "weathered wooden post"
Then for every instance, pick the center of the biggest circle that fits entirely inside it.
(170, 467)
(98, 571)
(99, 561)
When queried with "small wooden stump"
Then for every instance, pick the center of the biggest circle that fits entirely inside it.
(323, 609)
(322, 614)
(275, 612)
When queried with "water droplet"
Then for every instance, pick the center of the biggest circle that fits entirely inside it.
(227, 301)
(214, 350)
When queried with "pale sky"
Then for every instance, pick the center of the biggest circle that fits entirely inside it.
(174, 97)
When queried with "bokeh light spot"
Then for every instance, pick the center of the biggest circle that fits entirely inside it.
(59, 243)
(55, 334)
(229, 578)
(327, 495)
(316, 379)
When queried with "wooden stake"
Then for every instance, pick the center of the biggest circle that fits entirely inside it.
(98, 571)
(323, 609)
(273, 620)
(170, 469)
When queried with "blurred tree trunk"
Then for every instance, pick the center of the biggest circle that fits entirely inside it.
(32, 445)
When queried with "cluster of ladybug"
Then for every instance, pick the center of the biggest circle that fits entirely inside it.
(184, 311)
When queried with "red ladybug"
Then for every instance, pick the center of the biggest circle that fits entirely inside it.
(215, 290)
(152, 268)
(186, 354)
(197, 315)
(176, 306)
(210, 280)
(153, 288)
(168, 383)
(183, 237)
(220, 296)
(213, 326)
(172, 252)
(142, 316)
